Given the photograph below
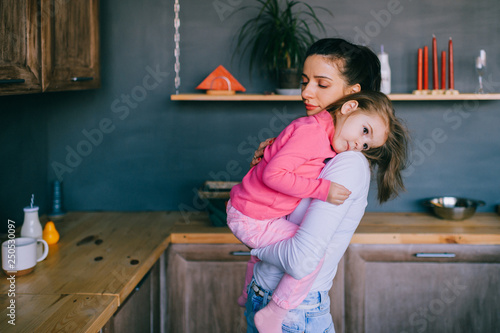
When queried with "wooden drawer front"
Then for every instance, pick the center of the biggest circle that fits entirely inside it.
(203, 283)
(422, 288)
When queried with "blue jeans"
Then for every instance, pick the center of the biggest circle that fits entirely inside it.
(312, 316)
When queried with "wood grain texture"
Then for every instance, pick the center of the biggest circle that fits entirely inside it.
(389, 289)
(57, 313)
(70, 44)
(375, 228)
(99, 253)
(407, 228)
(20, 47)
(204, 282)
(106, 254)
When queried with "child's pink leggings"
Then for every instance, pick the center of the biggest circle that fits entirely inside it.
(260, 233)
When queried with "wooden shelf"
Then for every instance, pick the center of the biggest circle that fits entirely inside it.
(270, 98)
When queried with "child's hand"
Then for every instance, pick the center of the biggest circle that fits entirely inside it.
(337, 194)
(257, 156)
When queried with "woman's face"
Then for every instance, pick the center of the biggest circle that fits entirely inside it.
(323, 84)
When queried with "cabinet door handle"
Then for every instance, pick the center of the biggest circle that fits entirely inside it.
(81, 78)
(435, 255)
(9, 81)
(240, 253)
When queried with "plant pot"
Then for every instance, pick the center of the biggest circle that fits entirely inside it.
(289, 78)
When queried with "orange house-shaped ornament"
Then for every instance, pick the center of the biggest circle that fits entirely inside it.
(220, 82)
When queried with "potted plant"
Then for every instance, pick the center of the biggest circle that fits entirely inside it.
(278, 38)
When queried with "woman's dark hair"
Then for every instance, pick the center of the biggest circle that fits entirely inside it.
(391, 158)
(358, 64)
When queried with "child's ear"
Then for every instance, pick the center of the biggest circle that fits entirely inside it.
(355, 88)
(349, 106)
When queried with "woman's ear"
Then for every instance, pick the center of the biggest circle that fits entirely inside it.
(349, 106)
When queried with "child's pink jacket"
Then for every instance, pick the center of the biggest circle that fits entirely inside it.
(288, 171)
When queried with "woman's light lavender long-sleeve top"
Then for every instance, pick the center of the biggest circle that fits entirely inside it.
(326, 230)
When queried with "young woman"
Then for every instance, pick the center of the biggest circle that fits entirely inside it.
(335, 68)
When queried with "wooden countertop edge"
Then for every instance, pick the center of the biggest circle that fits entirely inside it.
(104, 317)
(375, 228)
(358, 238)
(425, 238)
(144, 269)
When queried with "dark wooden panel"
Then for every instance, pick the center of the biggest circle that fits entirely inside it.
(19, 47)
(134, 315)
(70, 44)
(390, 290)
(204, 282)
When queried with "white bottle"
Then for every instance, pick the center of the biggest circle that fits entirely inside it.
(385, 71)
(32, 227)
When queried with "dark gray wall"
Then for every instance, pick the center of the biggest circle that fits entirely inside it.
(126, 146)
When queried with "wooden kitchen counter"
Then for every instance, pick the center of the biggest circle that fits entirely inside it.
(97, 262)
(375, 228)
(57, 313)
(102, 256)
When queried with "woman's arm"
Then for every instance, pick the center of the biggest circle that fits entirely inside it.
(300, 255)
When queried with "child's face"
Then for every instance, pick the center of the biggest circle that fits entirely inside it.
(322, 84)
(356, 130)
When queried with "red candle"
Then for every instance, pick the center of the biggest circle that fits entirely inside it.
(434, 64)
(419, 70)
(443, 70)
(451, 78)
(426, 68)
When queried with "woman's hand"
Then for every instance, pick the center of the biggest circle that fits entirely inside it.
(337, 194)
(257, 156)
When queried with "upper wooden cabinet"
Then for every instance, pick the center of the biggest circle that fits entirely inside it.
(20, 65)
(49, 45)
(70, 45)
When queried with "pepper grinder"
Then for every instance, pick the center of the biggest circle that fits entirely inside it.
(56, 201)
(31, 225)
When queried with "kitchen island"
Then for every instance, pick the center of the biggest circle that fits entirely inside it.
(102, 258)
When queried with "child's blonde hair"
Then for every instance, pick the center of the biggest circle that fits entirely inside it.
(391, 157)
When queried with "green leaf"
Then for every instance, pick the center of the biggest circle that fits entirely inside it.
(279, 35)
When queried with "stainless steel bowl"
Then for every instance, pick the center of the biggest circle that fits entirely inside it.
(453, 208)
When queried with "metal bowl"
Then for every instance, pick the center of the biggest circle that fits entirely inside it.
(453, 208)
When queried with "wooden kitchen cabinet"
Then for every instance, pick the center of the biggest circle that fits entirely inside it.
(141, 311)
(20, 60)
(203, 283)
(49, 45)
(422, 288)
(70, 45)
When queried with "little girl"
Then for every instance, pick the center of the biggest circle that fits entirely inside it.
(288, 172)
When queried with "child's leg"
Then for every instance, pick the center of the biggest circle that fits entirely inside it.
(288, 295)
(256, 233)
